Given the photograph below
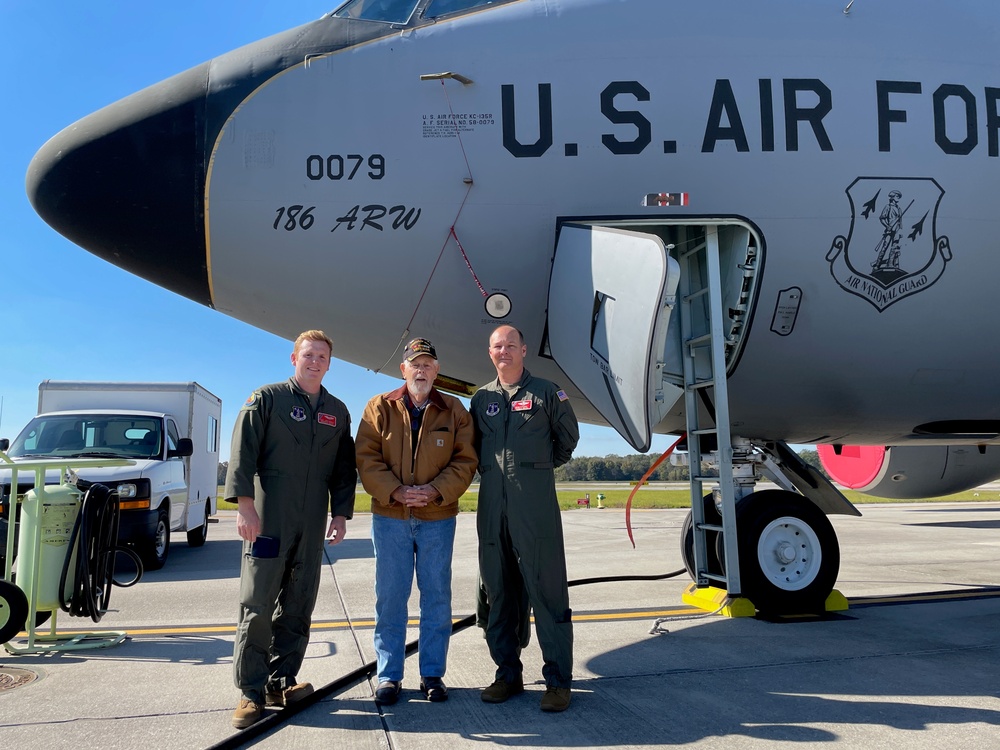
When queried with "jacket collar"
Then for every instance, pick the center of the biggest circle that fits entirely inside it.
(434, 398)
(296, 388)
(525, 377)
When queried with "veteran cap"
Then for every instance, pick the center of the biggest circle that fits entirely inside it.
(417, 347)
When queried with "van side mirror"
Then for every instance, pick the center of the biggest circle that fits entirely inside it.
(184, 448)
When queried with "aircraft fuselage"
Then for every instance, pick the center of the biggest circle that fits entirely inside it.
(349, 184)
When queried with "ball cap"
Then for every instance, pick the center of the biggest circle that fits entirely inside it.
(417, 347)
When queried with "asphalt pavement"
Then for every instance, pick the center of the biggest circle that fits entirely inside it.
(913, 663)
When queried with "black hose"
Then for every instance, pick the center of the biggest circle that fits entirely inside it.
(96, 530)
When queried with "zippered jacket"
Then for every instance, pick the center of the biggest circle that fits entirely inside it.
(444, 457)
(297, 463)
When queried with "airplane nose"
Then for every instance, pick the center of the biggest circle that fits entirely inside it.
(126, 183)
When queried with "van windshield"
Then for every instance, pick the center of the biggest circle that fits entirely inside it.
(89, 434)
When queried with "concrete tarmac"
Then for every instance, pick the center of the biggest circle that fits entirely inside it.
(913, 663)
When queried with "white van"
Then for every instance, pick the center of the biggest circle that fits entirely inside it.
(170, 431)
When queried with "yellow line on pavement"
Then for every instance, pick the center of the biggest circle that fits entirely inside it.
(343, 624)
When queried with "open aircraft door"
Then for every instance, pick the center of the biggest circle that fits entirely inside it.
(611, 295)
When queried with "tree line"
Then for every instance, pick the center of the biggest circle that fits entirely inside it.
(618, 468)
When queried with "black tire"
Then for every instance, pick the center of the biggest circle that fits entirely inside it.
(41, 616)
(13, 610)
(153, 552)
(197, 537)
(789, 554)
(712, 516)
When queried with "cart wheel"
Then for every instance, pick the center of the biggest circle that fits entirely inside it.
(13, 610)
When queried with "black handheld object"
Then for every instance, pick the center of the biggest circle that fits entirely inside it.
(264, 547)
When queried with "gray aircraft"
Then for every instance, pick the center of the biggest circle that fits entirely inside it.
(756, 223)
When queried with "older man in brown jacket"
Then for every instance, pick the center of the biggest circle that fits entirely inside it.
(415, 458)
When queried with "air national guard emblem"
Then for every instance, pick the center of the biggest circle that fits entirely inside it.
(492, 409)
(298, 414)
(893, 249)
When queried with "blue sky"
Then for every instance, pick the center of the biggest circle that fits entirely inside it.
(68, 315)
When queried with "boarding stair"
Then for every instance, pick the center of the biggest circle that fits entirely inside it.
(704, 341)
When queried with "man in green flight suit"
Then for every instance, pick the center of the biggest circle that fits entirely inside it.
(292, 460)
(525, 427)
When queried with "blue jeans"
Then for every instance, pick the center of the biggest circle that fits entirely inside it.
(402, 546)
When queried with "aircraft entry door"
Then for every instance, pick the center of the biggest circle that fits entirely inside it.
(611, 295)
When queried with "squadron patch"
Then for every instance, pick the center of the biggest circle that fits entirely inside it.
(298, 414)
(562, 395)
(327, 419)
(524, 405)
(893, 249)
(253, 400)
(492, 409)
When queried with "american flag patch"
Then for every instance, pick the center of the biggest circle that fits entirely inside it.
(327, 419)
(665, 199)
(562, 395)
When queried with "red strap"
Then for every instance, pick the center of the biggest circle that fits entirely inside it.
(628, 505)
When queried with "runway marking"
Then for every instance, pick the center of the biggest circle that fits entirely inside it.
(581, 617)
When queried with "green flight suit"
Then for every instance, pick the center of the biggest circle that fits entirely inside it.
(520, 440)
(297, 462)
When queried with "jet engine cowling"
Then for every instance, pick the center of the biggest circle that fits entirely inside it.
(910, 472)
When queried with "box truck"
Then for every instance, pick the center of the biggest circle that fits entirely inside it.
(169, 430)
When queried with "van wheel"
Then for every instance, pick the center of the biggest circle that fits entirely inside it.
(153, 552)
(197, 537)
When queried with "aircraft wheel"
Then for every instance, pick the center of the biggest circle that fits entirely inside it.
(13, 610)
(713, 516)
(789, 554)
(153, 552)
(197, 537)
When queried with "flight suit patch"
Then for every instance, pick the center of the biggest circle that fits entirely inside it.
(252, 401)
(298, 414)
(562, 395)
(327, 419)
(492, 409)
(524, 405)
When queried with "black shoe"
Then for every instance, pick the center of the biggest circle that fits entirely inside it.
(434, 689)
(387, 692)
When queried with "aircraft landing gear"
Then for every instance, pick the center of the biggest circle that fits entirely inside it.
(782, 548)
(715, 551)
(789, 554)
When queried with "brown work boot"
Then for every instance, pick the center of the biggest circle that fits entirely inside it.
(555, 699)
(247, 713)
(288, 696)
(501, 690)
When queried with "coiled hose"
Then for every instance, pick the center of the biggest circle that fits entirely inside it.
(96, 530)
